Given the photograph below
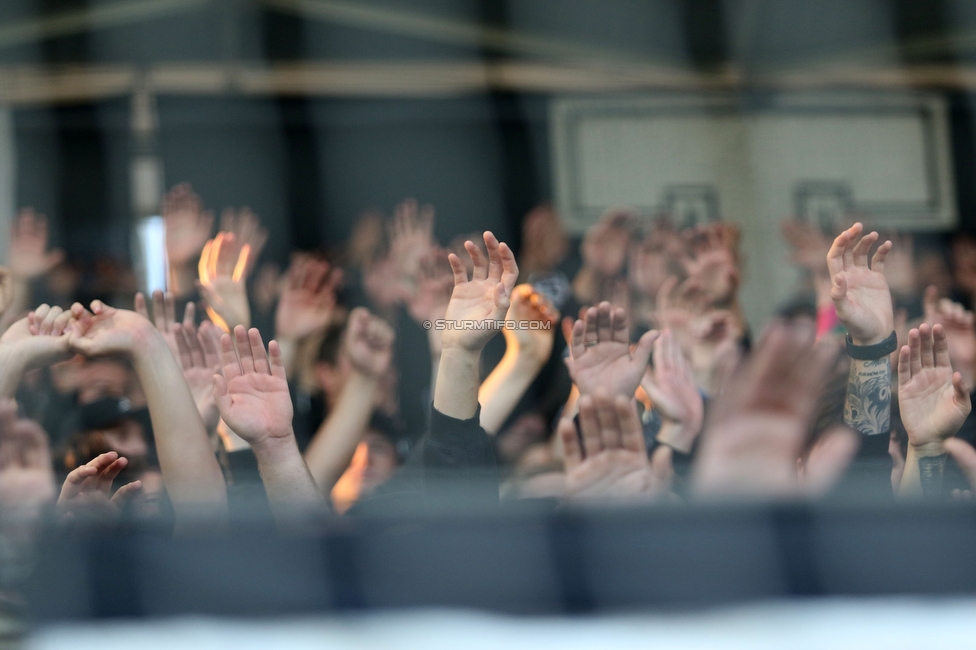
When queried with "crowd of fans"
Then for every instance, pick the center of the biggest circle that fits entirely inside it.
(373, 379)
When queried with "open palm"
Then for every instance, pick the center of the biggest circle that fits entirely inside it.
(252, 395)
(486, 296)
(933, 400)
(860, 293)
(601, 355)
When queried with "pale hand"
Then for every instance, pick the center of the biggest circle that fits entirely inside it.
(368, 343)
(252, 395)
(601, 355)
(529, 306)
(612, 463)
(860, 293)
(933, 401)
(187, 224)
(28, 255)
(486, 296)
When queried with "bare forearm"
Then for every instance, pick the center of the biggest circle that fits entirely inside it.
(287, 481)
(190, 471)
(504, 387)
(335, 442)
(867, 408)
(456, 391)
(12, 368)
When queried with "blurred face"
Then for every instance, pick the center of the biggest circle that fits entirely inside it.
(381, 461)
(332, 377)
(104, 378)
(126, 438)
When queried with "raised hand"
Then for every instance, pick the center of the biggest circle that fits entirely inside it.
(39, 339)
(223, 274)
(308, 300)
(612, 462)
(198, 351)
(411, 238)
(26, 474)
(484, 297)
(757, 429)
(860, 293)
(808, 246)
(252, 394)
(529, 306)
(246, 228)
(164, 316)
(188, 226)
(960, 334)
(368, 343)
(108, 331)
(604, 248)
(29, 257)
(601, 354)
(712, 262)
(933, 400)
(671, 386)
(87, 491)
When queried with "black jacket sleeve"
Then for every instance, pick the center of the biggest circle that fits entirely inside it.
(459, 458)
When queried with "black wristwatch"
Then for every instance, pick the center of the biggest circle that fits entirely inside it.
(872, 352)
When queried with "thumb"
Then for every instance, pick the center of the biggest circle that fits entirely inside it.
(642, 353)
(828, 459)
(838, 287)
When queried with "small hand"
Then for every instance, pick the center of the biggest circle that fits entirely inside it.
(671, 386)
(808, 246)
(42, 338)
(933, 401)
(188, 226)
(164, 316)
(308, 301)
(860, 293)
(223, 274)
(712, 265)
(612, 463)
(198, 352)
(246, 228)
(958, 324)
(252, 394)
(528, 306)
(601, 354)
(485, 297)
(28, 256)
(411, 237)
(605, 245)
(108, 331)
(368, 343)
(87, 491)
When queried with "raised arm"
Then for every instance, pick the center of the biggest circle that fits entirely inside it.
(368, 343)
(190, 471)
(933, 402)
(529, 336)
(252, 396)
(223, 273)
(863, 302)
(476, 304)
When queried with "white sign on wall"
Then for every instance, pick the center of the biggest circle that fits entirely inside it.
(820, 156)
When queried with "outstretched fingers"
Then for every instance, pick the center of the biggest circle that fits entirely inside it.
(258, 354)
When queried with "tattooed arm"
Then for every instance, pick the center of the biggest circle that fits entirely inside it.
(863, 301)
(867, 408)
